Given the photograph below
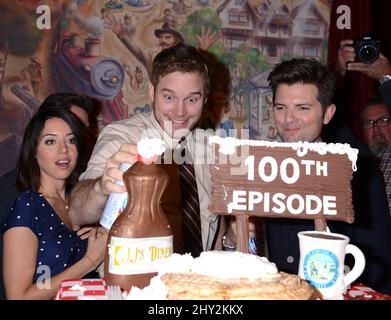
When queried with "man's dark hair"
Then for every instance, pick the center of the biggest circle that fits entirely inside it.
(28, 170)
(183, 58)
(66, 100)
(304, 71)
(372, 101)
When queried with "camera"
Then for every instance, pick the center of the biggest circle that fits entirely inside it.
(367, 48)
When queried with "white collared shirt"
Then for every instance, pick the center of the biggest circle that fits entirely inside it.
(145, 125)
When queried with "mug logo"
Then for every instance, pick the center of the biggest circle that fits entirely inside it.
(321, 268)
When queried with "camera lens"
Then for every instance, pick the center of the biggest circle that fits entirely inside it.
(368, 53)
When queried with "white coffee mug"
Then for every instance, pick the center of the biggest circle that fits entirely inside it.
(322, 257)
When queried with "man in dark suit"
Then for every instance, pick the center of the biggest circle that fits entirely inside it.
(302, 104)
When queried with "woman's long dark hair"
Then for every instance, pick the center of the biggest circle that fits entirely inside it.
(28, 171)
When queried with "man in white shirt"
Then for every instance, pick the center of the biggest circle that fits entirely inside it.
(178, 90)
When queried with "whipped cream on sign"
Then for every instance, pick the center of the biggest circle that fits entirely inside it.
(148, 148)
(228, 146)
(233, 264)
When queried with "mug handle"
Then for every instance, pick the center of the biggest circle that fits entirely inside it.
(359, 264)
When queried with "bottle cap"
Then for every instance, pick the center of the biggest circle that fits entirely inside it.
(146, 160)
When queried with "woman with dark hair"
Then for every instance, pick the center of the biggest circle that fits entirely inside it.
(41, 246)
(28, 167)
(83, 108)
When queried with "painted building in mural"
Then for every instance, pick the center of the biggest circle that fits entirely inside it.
(278, 31)
(104, 49)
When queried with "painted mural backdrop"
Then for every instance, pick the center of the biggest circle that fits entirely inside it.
(104, 48)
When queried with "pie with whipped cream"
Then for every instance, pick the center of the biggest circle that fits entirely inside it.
(195, 286)
(225, 275)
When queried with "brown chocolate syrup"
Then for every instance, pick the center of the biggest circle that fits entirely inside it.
(141, 235)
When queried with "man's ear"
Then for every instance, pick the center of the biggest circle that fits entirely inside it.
(151, 92)
(330, 110)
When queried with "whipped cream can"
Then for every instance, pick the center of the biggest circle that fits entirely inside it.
(116, 202)
(252, 246)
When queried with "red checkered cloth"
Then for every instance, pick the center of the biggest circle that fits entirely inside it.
(361, 292)
(82, 289)
(95, 289)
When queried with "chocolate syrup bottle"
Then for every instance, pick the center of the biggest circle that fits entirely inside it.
(141, 234)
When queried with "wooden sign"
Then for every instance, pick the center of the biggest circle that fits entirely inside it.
(283, 180)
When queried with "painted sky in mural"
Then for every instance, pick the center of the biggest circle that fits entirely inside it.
(104, 48)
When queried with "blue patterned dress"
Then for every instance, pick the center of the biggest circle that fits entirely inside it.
(59, 247)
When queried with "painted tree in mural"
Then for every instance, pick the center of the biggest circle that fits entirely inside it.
(18, 35)
(207, 22)
(244, 62)
(206, 19)
(239, 63)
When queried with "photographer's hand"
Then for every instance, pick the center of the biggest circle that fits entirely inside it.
(376, 70)
(345, 55)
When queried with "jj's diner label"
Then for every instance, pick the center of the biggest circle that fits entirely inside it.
(278, 181)
(137, 255)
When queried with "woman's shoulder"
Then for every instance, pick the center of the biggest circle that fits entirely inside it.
(26, 210)
(28, 198)
(28, 194)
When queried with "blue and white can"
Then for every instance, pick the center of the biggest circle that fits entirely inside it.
(116, 202)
